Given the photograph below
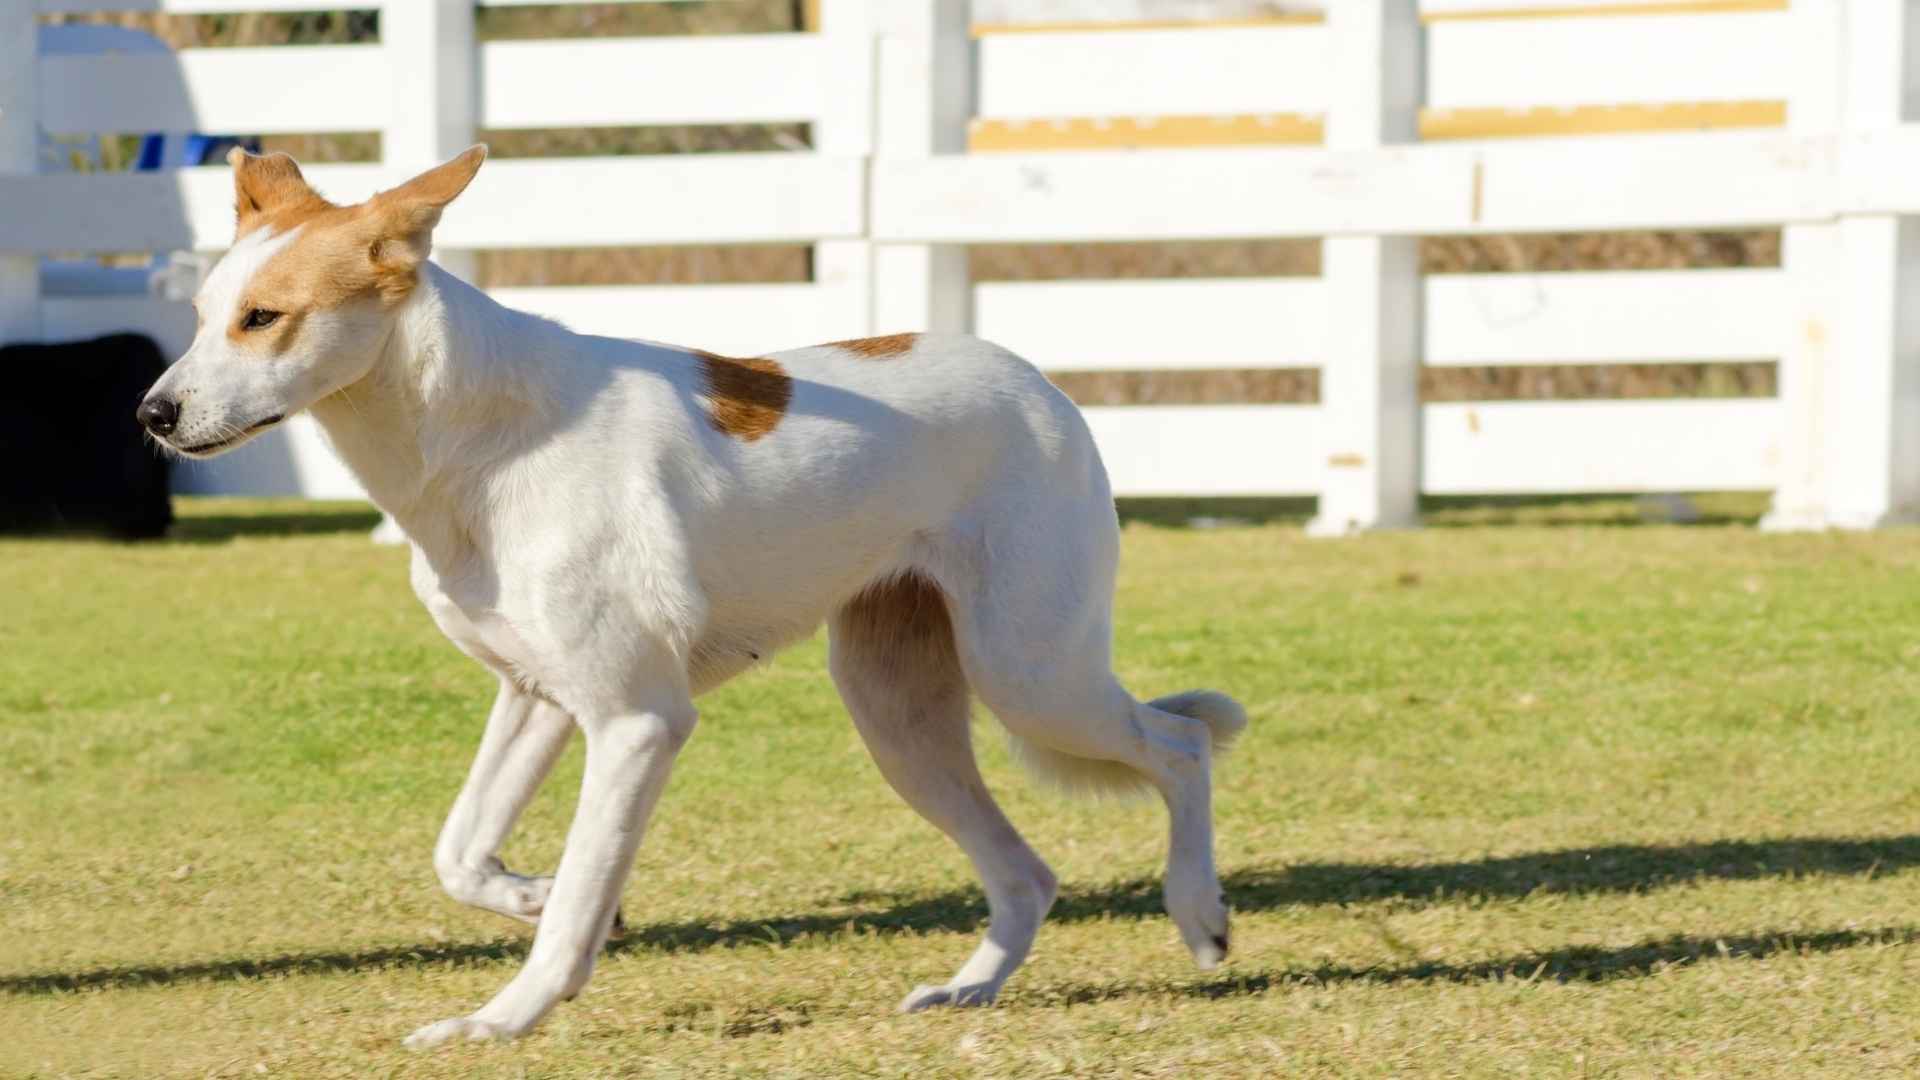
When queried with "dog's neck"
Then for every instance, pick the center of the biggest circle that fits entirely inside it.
(457, 386)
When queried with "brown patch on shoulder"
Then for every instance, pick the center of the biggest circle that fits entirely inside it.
(745, 398)
(878, 348)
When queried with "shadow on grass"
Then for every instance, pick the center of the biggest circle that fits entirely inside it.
(319, 520)
(1611, 868)
(1708, 509)
(1576, 963)
(218, 520)
(1621, 868)
(228, 519)
(1615, 868)
(314, 963)
(1465, 511)
(1178, 513)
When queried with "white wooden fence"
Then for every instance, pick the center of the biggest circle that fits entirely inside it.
(1737, 113)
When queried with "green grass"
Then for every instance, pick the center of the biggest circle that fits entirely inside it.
(1551, 797)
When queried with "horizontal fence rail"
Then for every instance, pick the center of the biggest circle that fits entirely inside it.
(1610, 317)
(917, 130)
(756, 79)
(1584, 60)
(268, 91)
(1720, 180)
(740, 320)
(552, 203)
(1236, 70)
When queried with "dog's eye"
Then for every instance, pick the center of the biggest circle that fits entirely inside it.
(258, 318)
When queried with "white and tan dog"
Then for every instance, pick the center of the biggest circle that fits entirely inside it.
(615, 527)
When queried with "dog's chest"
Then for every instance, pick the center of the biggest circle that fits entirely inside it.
(476, 628)
(486, 636)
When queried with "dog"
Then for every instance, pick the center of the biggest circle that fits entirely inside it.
(614, 527)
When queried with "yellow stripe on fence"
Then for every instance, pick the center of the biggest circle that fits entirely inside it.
(1142, 133)
(1442, 124)
(1298, 129)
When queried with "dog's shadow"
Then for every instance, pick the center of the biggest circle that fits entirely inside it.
(1622, 868)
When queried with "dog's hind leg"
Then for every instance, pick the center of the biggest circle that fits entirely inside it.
(1100, 738)
(1033, 626)
(524, 737)
(893, 659)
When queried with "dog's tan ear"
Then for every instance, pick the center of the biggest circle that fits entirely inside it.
(264, 183)
(404, 217)
(441, 184)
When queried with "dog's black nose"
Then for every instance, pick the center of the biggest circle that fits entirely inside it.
(158, 415)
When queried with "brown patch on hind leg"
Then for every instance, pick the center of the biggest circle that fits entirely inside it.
(903, 625)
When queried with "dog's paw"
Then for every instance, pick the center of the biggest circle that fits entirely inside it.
(1203, 921)
(460, 1027)
(522, 898)
(959, 997)
(1212, 954)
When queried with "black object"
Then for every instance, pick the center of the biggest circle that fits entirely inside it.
(72, 456)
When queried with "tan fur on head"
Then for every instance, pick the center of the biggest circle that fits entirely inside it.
(268, 190)
(372, 250)
(403, 218)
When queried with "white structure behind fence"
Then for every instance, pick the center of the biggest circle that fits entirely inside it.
(1738, 113)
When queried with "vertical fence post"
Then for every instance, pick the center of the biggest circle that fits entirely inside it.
(434, 60)
(845, 129)
(1810, 257)
(1872, 398)
(926, 81)
(1369, 378)
(19, 153)
(432, 54)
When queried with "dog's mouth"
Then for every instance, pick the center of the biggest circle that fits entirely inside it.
(205, 449)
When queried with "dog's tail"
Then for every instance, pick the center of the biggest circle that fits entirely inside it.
(1224, 717)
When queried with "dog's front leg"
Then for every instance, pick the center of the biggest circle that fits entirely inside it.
(524, 737)
(628, 759)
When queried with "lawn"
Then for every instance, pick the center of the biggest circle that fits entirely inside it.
(1532, 791)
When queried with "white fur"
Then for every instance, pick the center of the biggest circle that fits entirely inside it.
(580, 527)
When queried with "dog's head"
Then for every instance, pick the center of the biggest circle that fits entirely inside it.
(301, 305)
